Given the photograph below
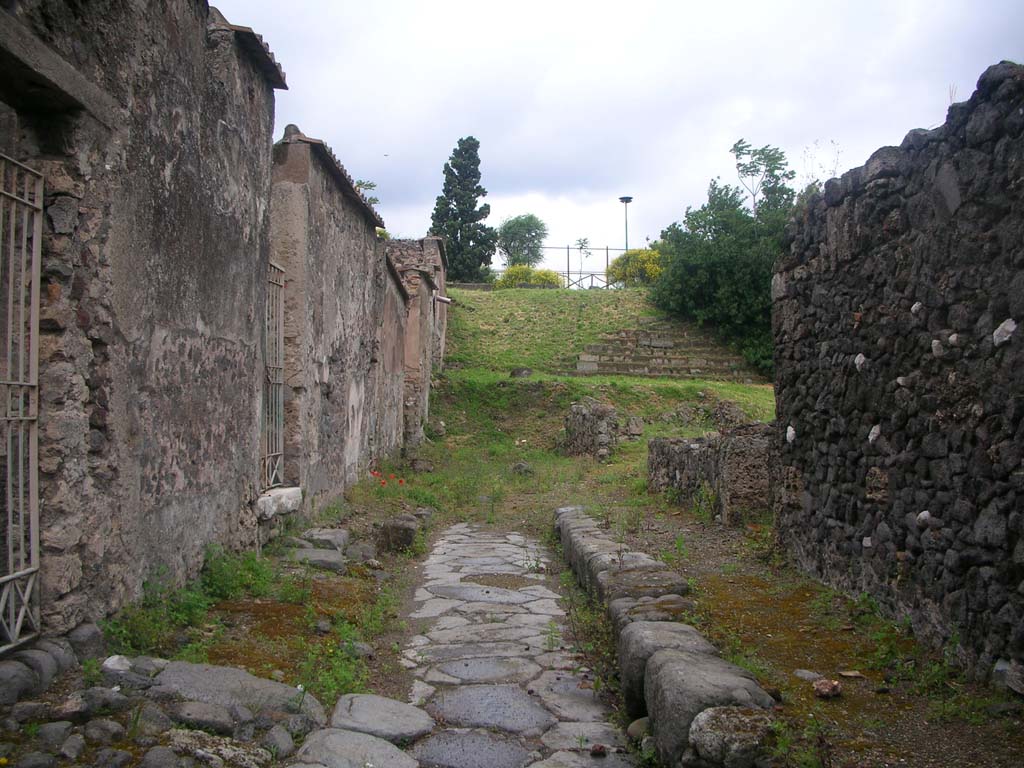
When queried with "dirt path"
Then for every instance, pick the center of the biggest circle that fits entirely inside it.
(490, 663)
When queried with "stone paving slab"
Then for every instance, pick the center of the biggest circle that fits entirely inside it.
(491, 670)
(490, 665)
(381, 717)
(506, 707)
(471, 749)
(336, 748)
(584, 760)
(578, 736)
(569, 697)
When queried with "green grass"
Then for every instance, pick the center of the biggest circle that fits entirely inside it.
(645, 397)
(536, 328)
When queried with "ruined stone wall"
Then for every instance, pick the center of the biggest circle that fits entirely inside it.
(732, 467)
(899, 379)
(153, 289)
(342, 327)
(422, 266)
(591, 429)
(418, 351)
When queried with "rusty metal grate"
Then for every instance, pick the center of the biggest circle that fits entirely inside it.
(21, 229)
(273, 381)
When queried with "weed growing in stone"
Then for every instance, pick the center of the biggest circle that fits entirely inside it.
(704, 503)
(91, 674)
(227, 576)
(294, 588)
(678, 553)
(553, 636)
(330, 670)
(592, 637)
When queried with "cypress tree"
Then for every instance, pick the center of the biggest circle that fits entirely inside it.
(470, 243)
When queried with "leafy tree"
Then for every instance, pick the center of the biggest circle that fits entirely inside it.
(636, 267)
(717, 263)
(764, 172)
(521, 240)
(469, 242)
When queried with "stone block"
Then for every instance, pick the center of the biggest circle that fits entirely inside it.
(229, 687)
(327, 559)
(399, 533)
(41, 663)
(679, 685)
(204, 716)
(279, 501)
(640, 582)
(326, 538)
(669, 607)
(640, 640)
(736, 737)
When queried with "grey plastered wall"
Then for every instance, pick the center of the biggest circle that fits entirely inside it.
(900, 397)
(344, 319)
(153, 295)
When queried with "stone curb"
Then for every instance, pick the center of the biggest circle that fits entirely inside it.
(29, 671)
(670, 672)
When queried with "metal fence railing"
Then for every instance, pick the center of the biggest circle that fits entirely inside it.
(21, 233)
(273, 382)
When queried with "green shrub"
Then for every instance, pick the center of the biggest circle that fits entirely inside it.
(718, 270)
(151, 625)
(154, 624)
(547, 277)
(520, 274)
(635, 268)
(227, 576)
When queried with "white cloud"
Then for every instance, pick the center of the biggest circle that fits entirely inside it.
(577, 103)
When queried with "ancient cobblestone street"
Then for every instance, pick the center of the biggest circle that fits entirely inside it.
(491, 664)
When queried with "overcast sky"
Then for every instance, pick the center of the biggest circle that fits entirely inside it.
(578, 103)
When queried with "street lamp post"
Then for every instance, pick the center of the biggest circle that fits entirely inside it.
(626, 200)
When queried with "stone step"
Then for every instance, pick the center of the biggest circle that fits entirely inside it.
(679, 350)
(687, 365)
(739, 376)
(682, 359)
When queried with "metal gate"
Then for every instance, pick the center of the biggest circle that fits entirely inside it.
(21, 228)
(273, 381)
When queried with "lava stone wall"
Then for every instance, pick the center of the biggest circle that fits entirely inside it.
(900, 377)
(153, 289)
